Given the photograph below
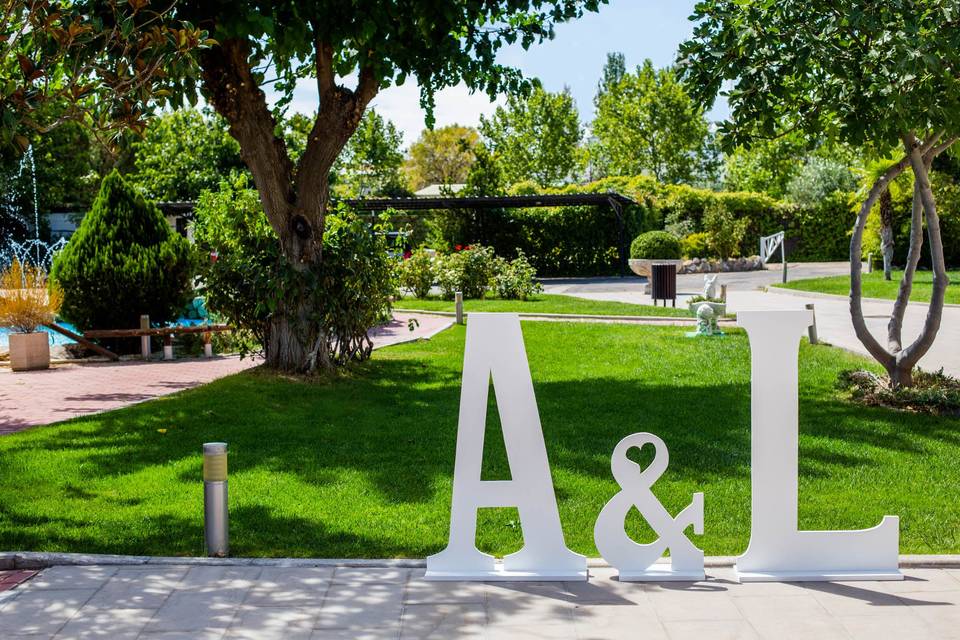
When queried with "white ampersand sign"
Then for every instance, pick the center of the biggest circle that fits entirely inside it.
(637, 562)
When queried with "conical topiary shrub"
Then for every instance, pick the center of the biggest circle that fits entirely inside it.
(123, 261)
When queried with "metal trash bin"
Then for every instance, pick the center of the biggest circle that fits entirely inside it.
(663, 283)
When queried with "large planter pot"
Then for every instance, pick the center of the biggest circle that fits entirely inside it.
(641, 266)
(29, 351)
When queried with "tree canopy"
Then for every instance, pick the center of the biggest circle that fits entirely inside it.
(861, 71)
(647, 123)
(370, 163)
(105, 62)
(441, 156)
(182, 153)
(536, 137)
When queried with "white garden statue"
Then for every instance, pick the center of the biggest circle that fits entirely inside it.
(710, 286)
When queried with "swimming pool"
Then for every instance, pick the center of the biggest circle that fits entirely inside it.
(56, 339)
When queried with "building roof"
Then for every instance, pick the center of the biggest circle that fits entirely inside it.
(434, 190)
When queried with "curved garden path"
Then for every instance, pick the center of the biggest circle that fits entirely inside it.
(32, 398)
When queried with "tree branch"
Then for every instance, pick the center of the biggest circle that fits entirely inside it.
(236, 96)
(909, 357)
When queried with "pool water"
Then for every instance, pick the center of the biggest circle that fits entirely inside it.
(56, 339)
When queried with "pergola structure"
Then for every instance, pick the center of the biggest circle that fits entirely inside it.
(615, 201)
(184, 210)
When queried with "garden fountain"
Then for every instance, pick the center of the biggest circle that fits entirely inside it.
(32, 251)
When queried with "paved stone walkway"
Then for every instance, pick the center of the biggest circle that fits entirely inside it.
(32, 398)
(212, 603)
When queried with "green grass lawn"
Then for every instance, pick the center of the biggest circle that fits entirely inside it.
(362, 466)
(545, 303)
(874, 286)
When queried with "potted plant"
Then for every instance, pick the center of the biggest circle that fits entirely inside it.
(654, 247)
(27, 302)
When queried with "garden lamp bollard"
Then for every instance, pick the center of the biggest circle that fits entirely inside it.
(812, 330)
(216, 519)
(168, 347)
(458, 298)
(145, 340)
(207, 346)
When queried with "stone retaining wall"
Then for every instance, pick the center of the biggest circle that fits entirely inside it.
(698, 265)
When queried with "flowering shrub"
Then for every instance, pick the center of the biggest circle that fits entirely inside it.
(470, 271)
(417, 273)
(516, 280)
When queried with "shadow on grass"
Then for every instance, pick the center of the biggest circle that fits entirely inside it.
(392, 423)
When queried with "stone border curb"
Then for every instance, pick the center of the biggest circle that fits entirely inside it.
(42, 560)
(832, 296)
(667, 320)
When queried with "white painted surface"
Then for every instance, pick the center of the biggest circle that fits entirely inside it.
(777, 549)
(638, 562)
(494, 350)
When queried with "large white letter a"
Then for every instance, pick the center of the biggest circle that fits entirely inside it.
(495, 350)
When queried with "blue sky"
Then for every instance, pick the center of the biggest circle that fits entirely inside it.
(638, 28)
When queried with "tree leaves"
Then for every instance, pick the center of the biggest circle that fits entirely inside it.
(856, 70)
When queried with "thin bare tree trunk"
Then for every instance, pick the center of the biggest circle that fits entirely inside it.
(886, 233)
(908, 358)
(898, 362)
(895, 326)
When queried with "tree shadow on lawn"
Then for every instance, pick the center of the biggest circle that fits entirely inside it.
(393, 424)
(254, 531)
(387, 435)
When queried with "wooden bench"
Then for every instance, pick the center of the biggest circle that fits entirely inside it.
(167, 332)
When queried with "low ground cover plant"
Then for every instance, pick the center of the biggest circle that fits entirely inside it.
(932, 392)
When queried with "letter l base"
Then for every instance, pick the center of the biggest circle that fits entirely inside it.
(838, 575)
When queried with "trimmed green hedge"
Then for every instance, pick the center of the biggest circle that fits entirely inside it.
(583, 241)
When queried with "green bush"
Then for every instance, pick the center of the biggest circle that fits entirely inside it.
(347, 294)
(655, 245)
(123, 261)
(470, 271)
(725, 232)
(696, 245)
(516, 279)
(417, 273)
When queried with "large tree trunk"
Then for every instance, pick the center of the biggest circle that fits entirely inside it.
(900, 362)
(295, 199)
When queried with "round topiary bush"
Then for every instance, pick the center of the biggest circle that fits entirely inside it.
(123, 261)
(655, 245)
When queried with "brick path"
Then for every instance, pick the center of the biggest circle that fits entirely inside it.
(327, 603)
(32, 398)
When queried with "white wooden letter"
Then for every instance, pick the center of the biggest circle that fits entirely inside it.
(494, 349)
(777, 549)
(637, 562)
